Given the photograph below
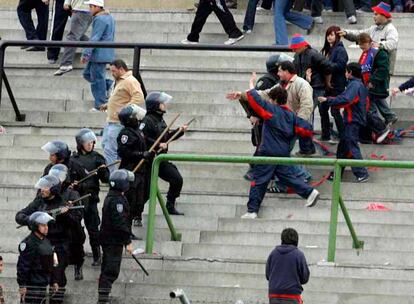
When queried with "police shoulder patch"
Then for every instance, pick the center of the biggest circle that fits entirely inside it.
(22, 246)
(119, 208)
(259, 83)
(124, 139)
(142, 126)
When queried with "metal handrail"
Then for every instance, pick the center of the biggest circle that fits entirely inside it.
(337, 201)
(137, 47)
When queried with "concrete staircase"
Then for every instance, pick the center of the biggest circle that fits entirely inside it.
(221, 257)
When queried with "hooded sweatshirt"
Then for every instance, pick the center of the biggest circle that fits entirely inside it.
(286, 270)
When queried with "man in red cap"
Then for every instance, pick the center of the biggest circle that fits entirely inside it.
(383, 33)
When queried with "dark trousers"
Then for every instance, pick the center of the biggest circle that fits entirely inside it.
(138, 194)
(170, 174)
(317, 7)
(264, 173)
(92, 220)
(205, 8)
(348, 148)
(24, 12)
(59, 23)
(76, 251)
(35, 295)
(284, 301)
(325, 122)
(110, 268)
(374, 123)
(58, 274)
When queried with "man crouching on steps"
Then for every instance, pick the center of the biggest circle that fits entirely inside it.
(280, 128)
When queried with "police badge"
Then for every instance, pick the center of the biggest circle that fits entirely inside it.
(142, 126)
(124, 139)
(22, 246)
(120, 208)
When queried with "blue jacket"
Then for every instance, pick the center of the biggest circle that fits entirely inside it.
(280, 126)
(354, 101)
(407, 85)
(338, 59)
(286, 270)
(103, 29)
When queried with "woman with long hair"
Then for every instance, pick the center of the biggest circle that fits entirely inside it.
(335, 52)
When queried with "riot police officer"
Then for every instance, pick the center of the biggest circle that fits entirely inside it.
(153, 125)
(91, 160)
(59, 231)
(35, 263)
(132, 149)
(77, 233)
(115, 231)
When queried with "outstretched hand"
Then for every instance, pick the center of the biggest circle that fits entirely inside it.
(233, 95)
(322, 99)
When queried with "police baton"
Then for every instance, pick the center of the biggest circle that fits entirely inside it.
(95, 172)
(176, 134)
(136, 252)
(156, 143)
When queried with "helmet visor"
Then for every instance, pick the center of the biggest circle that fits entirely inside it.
(50, 148)
(40, 218)
(59, 171)
(87, 137)
(165, 98)
(47, 182)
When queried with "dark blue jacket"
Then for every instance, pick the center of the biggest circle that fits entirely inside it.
(338, 59)
(286, 270)
(280, 126)
(407, 85)
(354, 101)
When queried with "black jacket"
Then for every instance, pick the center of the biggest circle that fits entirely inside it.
(311, 58)
(153, 125)
(35, 263)
(115, 224)
(407, 85)
(338, 59)
(75, 172)
(89, 162)
(267, 81)
(286, 270)
(131, 146)
(59, 231)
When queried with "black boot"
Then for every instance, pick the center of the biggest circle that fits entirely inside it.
(171, 209)
(78, 273)
(96, 253)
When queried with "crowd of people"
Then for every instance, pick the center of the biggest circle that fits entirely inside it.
(280, 106)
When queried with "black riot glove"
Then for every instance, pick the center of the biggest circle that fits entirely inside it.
(147, 155)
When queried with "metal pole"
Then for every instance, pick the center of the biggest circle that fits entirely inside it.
(149, 244)
(2, 51)
(136, 67)
(174, 235)
(19, 116)
(336, 190)
(357, 244)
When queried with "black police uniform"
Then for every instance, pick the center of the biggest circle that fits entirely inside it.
(89, 162)
(153, 125)
(131, 148)
(58, 235)
(34, 267)
(75, 173)
(114, 235)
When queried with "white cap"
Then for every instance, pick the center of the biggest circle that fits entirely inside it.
(95, 2)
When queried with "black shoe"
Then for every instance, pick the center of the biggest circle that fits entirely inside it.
(391, 121)
(310, 30)
(78, 273)
(24, 47)
(249, 176)
(96, 253)
(305, 154)
(137, 222)
(362, 179)
(171, 209)
(135, 238)
(331, 177)
(35, 49)
(383, 135)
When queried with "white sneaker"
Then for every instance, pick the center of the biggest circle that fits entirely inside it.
(186, 41)
(383, 136)
(351, 20)
(63, 69)
(247, 31)
(232, 41)
(318, 20)
(93, 110)
(312, 198)
(249, 215)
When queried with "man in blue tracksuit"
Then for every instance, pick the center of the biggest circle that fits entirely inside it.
(280, 128)
(103, 29)
(353, 101)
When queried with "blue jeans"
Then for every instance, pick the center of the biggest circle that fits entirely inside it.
(95, 74)
(109, 143)
(250, 15)
(283, 13)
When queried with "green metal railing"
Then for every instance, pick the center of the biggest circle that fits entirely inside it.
(337, 201)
